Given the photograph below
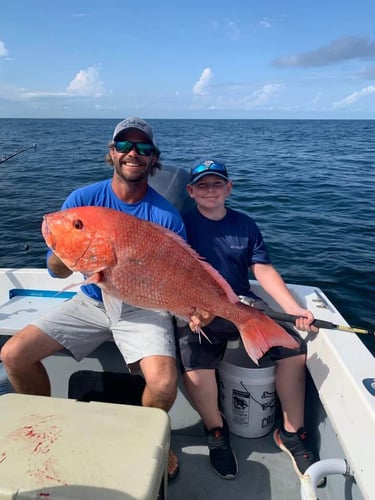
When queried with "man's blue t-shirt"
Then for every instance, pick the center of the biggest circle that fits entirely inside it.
(231, 245)
(153, 207)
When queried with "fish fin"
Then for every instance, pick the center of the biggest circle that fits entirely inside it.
(89, 280)
(259, 333)
(69, 287)
(93, 279)
(113, 306)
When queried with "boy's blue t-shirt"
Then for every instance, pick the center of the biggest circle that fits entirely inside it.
(153, 208)
(231, 245)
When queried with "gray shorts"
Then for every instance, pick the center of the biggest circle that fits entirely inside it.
(81, 324)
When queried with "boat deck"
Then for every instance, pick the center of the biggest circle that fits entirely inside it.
(265, 473)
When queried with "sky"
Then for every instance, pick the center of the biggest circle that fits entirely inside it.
(187, 59)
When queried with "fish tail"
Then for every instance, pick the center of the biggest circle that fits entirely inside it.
(259, 333)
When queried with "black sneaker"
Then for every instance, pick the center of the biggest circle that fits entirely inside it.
(299, 448)
(222, 458)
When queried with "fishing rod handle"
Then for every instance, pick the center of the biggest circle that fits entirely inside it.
(319, 323)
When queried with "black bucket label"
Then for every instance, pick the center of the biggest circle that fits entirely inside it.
(248, 404)
(240, 407)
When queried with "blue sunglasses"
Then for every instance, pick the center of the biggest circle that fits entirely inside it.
(142, 148)
(208, 166)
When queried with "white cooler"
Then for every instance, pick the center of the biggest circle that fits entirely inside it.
(58, 449)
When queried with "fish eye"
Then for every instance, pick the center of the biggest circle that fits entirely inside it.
(78, 224)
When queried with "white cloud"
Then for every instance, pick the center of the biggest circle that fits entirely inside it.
(317, 98)
(265, 23)
(234, 30)
(87, 83)
(262, 95)
(238, 97)
(3, 50)
(200, 87)
(226, 28)
(10, 92)
(81, 14)
(354, 97)
(13, 93)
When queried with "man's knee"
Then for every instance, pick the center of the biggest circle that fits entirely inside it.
(28, 346)
(161, 381)
(10, 353)
(165, 385)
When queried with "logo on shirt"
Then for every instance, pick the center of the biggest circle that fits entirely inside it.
(237, 247)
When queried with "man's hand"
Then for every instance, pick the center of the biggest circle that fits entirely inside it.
(57, 267)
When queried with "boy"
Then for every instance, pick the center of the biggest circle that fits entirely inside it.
(232, 243)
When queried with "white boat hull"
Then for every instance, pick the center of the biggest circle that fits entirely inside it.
(338, 403)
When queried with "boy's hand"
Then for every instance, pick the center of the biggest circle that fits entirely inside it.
(200, 320)
(304, 323)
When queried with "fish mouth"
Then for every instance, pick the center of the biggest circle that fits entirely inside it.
(51, 242)
(47, 234)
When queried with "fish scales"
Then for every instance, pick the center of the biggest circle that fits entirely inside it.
(149, 266)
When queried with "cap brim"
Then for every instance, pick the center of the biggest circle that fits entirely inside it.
(127, 129)
(209, 172)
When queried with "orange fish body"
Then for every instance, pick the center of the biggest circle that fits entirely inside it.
(149, 266)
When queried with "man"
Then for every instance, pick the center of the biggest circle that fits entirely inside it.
(145, 338)
(232, 243)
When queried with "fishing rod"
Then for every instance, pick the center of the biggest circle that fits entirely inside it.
(319, 323)
(6, 158)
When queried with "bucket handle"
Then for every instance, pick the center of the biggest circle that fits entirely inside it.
(271, 403)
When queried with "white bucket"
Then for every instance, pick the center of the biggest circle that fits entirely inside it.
(247, 394)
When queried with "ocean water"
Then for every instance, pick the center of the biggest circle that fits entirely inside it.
(309, 184)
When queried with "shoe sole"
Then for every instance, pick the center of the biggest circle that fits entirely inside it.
(282, 447)
(228, 476)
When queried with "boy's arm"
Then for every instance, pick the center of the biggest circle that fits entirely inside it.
(274, 285)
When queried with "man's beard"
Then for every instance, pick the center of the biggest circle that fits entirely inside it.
(142, 174)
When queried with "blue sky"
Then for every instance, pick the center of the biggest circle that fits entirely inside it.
(187, 59)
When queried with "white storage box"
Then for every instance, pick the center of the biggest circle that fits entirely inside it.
(53, 448)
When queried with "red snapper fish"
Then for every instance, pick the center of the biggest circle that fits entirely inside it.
(148, 266)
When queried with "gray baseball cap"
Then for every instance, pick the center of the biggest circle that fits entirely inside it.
(136, 123)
